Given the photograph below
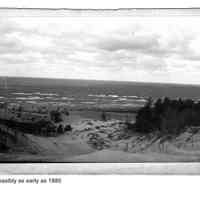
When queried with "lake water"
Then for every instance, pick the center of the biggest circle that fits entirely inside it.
(89, 93)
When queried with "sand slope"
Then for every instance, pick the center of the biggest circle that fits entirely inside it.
(97, 141)
(125, 157)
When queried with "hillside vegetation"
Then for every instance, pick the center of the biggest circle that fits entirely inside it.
(167, 117)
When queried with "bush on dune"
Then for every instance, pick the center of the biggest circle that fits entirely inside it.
(56, 116)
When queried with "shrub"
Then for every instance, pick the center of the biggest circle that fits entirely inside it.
(56, 116)
(60, 129)
(67, 128)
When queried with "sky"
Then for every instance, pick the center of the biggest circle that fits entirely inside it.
(145, 49)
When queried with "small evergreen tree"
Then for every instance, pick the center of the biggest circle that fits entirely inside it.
(60, 129)
(56, 116)
(103, 116)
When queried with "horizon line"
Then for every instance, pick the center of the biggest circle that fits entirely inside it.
(103, 80)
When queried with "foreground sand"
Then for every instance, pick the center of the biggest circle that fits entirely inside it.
(100, 141)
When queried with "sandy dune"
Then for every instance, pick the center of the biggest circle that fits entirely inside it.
(125, 157)
(100, 141)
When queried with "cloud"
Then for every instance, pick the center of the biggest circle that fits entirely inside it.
(99, 49)
(149, 44)
(134, 43)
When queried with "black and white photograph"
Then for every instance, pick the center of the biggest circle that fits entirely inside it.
(103, 88)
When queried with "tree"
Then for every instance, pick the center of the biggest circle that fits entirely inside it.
(56, 116)
(103, 116)
(169, 116)
(144, 118)
(169, 123)
(60, 129)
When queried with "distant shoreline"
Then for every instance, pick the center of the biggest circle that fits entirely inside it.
(106, 81)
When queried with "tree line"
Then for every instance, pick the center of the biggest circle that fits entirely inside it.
(167, 116)
(41, 128)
